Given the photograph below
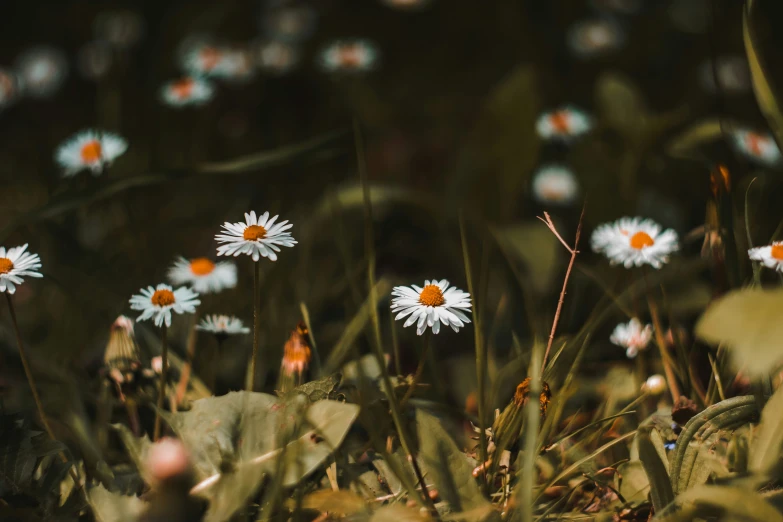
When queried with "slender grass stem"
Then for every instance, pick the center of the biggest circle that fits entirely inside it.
(671, 379)
(187, 369)
(256, 323)
(164, 375)
(34, 389)
(419, 369)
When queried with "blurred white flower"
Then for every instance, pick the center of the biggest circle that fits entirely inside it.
(92, 150)
(187, 91)
(95, 59)
(655, 384)
(632, 336)
(732, 71)
(564, 123)
(759, 147)
(290, 24)
(158, 303)
(122, 28)
(590, 38)
(15, 263)
(429, 306)
(222, 325)
(770, 256)
(555, 184)
(276, 57)
(42, 71)
(204, 276)
(257, 237)
(635, 242)
(349, 56)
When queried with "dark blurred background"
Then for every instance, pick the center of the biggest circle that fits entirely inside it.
(448, 122)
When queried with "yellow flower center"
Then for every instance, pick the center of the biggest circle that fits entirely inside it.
(431, 296)
(91, 151)
(183, 88)
(254, 233)
(6, 265)
(641, 240)
(202, 266)
(776, 252)
(163, 298)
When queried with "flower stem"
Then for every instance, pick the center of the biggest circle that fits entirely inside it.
(256, 323)
(419, 369)
(164, 375)
(671, 379)
(34, 389)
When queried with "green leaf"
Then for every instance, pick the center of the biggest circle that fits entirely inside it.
(660, 485)
(399, 513)
(765, 96)
(686, 143)
(747, 322)
(111, 507)
(341, 502)
(620, 103)
(534, 246)
(137, 448)
(446, 465)
(711, 501)
(765, 449)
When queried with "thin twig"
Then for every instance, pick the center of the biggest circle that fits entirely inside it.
(574, 252)
(256, 323)
(671, 379)
(164, 375)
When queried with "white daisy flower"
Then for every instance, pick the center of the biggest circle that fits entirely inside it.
(10, 88)
(407, 5)
(770, 256)
(632, 336)
(158, 303)
(635, 242)
(205, 60)
(590, 38)
(14, 264)
(203, 275)
(42, 71)
(91, 149)
(222, 325)
(655, 384)
(187, 91)
(349, 56)
(290, 24)
(555, 184)
(238, 65)
(431, 305)
(563, 123)
(276, 57)
(756, 146)
(256, 237)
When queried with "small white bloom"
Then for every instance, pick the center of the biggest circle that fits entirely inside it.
(222, 325)
(207, 60)
(276, 57)
(349, 56)
(407, 5)
(635, 242)
(10, 88)
(158, 303)
(290, 24)
(42, 71)
(204, 276)
(91, 149)
(756, 146)
(655, 384)
(770, 256)
(590, 38)
(431, 305)
(632, 336)
(564, 123)
(187, 91)
(257, 237)
(555, 184)
(14, 264)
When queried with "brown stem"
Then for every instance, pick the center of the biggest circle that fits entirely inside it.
(164, 375)
(671, 380)
(574, 252)
(34, 389)
(187, 368)
(256, 323)
(419, 369)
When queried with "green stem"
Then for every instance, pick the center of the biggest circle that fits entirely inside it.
(164, 375)
(419, 369)
(256, 323)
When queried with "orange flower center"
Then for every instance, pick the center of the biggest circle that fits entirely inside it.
(754, 142)
(210, 58)
(254, 233)
(431, 296)
(553, 194)
(202, 266)
(641, 240)
(183, 88)
(777, 252)
(91, 151)
(559, 121)
(351, 56)
(6, 265)
(163, 298)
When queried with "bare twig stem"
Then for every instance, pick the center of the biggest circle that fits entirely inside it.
(419, 370)
(164, 375)
(256, 323)
(573, 251)
(34, 389)
(671, 379)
